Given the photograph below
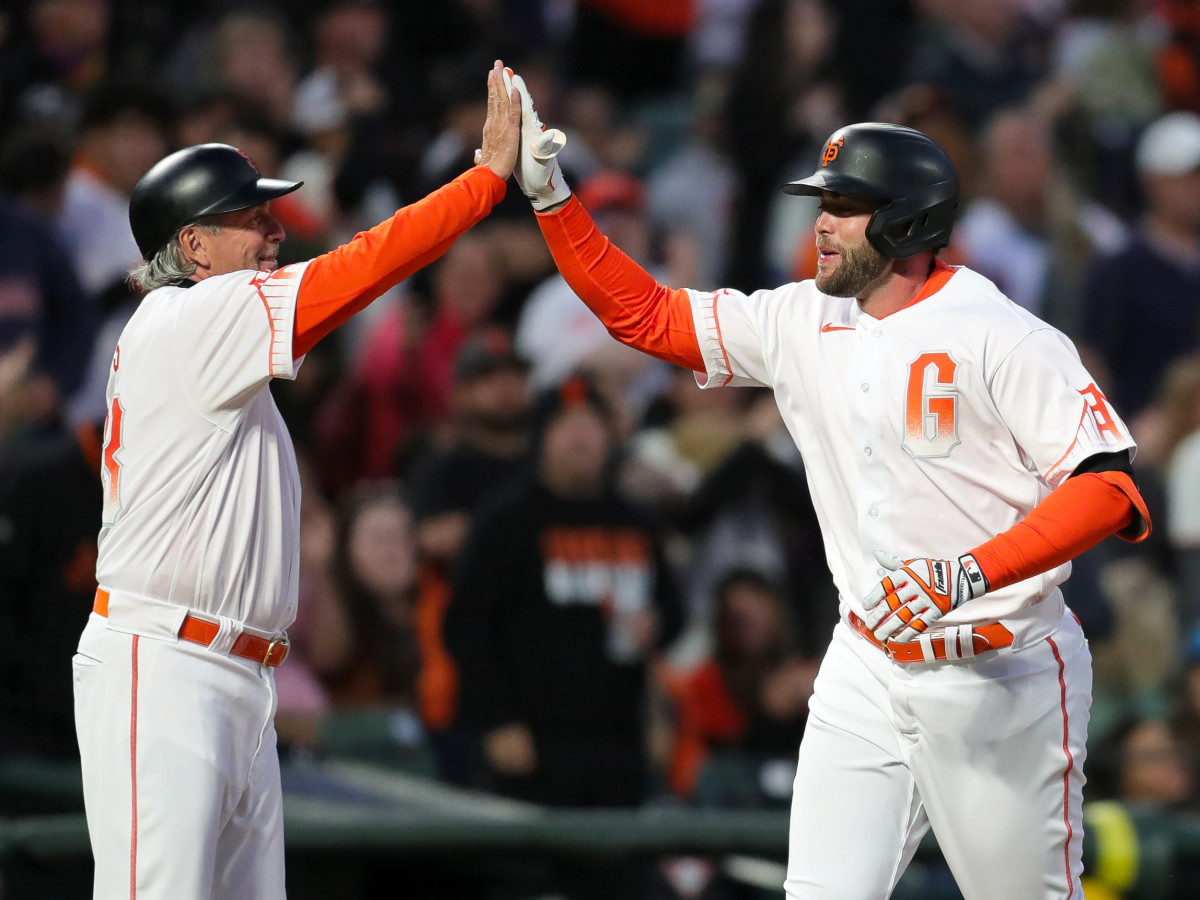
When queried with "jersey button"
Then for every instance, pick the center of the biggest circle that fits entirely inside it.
(866, 387)
(874, 513)
(878, 332)
(867, 451)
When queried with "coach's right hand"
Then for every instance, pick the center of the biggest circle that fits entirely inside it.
(502, 129)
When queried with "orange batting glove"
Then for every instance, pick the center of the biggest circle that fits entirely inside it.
(905, 604)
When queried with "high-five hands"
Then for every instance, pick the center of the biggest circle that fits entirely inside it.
(537, 171)
(502, 129)
(919, 593)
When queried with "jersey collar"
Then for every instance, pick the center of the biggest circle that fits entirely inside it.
(935, 282)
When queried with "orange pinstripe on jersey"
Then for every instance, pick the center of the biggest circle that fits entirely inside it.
(339, 283)
(635, 308)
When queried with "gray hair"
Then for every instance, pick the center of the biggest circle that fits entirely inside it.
(169, 265)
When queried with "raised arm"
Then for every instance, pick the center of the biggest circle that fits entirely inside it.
(635, 308)
(343, 281)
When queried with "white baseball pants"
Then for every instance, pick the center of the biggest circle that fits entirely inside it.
(988, 752)
(180, 769)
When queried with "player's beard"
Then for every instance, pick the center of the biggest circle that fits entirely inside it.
(859, 266)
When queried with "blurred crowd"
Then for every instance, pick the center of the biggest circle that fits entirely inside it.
(535, 561)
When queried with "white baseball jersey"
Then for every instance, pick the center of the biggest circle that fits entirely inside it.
(201, 489)
(924, 433)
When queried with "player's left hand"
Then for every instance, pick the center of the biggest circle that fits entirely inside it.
(920, 592)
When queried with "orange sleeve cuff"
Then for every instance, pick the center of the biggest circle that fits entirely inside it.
(339, 283)
(1080, 513)
(635, 308)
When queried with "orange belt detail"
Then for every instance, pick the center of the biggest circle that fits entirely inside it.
(983, 638)
(264, 651)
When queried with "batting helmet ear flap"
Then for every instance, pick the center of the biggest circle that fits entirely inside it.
(898, 232)
(900, 165)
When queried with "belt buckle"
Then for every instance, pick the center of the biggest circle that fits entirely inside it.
(281, 641)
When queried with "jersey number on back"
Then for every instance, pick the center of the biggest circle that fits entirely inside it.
(110, 470)
(931, 406)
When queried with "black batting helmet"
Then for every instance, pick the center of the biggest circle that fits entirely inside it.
(900, 165)
(198, 181)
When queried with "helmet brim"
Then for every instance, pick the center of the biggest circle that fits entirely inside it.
(252, 194)
(817, 183)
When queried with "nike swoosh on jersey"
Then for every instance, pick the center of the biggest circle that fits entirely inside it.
(829, 326)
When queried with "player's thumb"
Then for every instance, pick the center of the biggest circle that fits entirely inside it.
(888, 560)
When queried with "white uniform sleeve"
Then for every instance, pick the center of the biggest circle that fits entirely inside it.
(1053, 407)
(730, 333)
(233, 333)
(1183, 493)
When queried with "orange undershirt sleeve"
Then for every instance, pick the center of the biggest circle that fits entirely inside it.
(343, 281)
(635, 308)
(1076, 516)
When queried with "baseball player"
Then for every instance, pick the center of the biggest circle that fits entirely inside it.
(958, 455)
(198, 549)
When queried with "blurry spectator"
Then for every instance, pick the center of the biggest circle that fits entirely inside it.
(1139, 761)
(1002, 233)
(1104, 51)
(984, 56)
(49, 509)
(321, 637)
(373, 687)
(40, 296)
(200, 118)
(45, 71)
(742, 712)
(1185, 705)
(1140, 304)
(560, 601)
(341, 89)
(1180, 410)
(1025, 231)
(718, 35)
(782, 101)
(725, 474)
(557, 333)
(375, 574)
(487, 454)
(402, 378)
(600, 134)
(692, 192)
(34, 163)
(122, 133)
(488, 448)
(252, 55)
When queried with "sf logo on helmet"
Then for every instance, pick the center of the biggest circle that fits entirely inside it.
(254, 165)
(831, 151)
